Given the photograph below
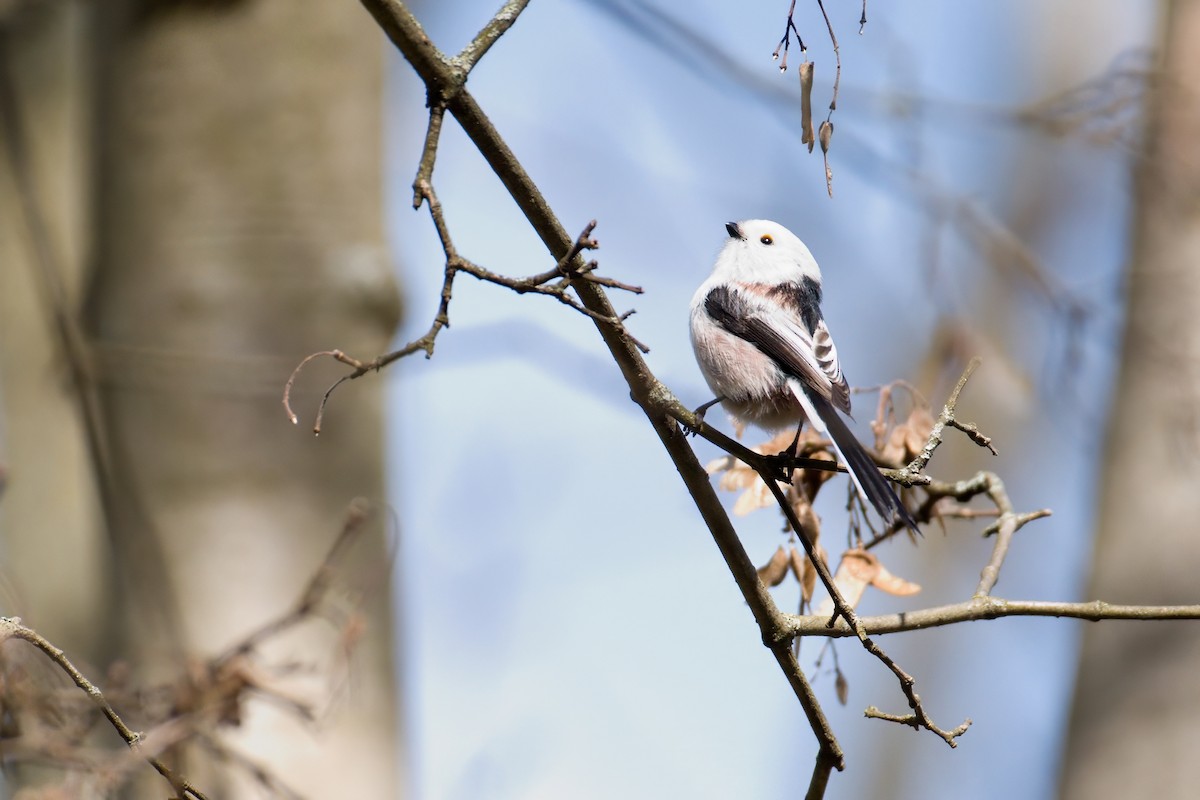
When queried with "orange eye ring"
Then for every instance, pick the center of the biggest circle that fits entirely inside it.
(766, 239)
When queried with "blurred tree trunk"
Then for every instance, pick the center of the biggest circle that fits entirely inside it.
(54, 563)
(1136, 712)
(239, 228)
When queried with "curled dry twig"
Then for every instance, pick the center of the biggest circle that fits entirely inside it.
(554, 283)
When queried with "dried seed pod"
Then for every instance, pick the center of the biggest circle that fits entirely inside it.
(825, 134)
(842, 687)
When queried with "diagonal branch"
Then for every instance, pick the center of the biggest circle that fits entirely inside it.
(919, 718)
(12, 627)
(985, 608)
(656, 401)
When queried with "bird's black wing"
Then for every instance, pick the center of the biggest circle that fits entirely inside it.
(781, 332)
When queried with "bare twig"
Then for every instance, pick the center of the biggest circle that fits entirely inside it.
(1004, 527)
(914, 721)
(786, 41)
(337, 355)
(987, 608)
(973, 433)
(918, 465)
(837, 55)
(433, 133)
(499, 24)
(847, 613)
(568, 269)
(12, 627)
(314, 593)
(263, 777)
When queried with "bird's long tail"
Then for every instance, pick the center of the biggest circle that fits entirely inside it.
(872, 486)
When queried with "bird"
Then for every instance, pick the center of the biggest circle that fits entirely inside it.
(765, 351)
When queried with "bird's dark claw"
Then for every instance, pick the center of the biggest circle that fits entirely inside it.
(792, 451)
(701, 411)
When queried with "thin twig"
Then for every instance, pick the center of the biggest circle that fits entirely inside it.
(314, 592)
(918, 464)
(337, 355)
(455, 264)
(269, 782)
(847, 613)
(915, 721)
(837, 56)
(786, 41)
(1004, 527)
(987, 608)
(497, 26)
(433, 133)
(12, 627)
(567, 267)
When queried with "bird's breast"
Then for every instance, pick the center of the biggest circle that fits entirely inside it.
(754, 388)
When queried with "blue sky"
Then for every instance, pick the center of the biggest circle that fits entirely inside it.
(568, 627)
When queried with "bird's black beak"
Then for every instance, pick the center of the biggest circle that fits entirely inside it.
(734, 231)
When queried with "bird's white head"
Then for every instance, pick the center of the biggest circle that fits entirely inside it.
(761, 251)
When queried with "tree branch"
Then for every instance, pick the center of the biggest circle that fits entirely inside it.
(656, 401)
(496, 27)
(982, 608)
(445, 79)
(12, 627)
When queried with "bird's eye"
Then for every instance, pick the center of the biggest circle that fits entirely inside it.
(766, 239)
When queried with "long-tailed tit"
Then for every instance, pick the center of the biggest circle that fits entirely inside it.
(766, 353)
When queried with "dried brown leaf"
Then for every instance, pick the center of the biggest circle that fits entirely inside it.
(853, 575)
(809, 585)
(896, 448)
(723, 464)
(806, 122)
(778, 443)
(811, 480)
(753, 498)
(736, 475)
(860, 569)
(885, 581)
(806, 576)
(774, 571)
(920, 422)
(842, 686)
(906, 440)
